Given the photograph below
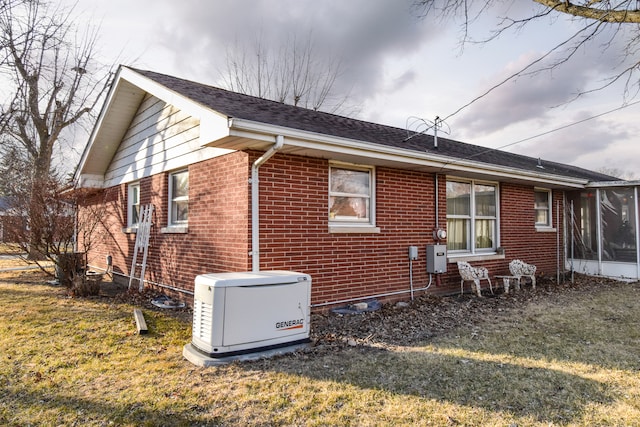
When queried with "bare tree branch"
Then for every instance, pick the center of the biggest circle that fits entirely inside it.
(603, 11)
(293, 74)
(52, 81)
(597, 16)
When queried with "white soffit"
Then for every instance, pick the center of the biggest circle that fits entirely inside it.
(120, 108)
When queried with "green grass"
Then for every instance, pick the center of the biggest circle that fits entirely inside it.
(569, 360)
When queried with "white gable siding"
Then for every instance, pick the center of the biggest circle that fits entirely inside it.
(159, 138)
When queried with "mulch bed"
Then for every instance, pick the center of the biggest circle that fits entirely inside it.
(417, 321)
(428, 316)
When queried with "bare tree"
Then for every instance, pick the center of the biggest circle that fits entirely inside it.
(50, 81)
(615, 21)
(291, 74)
(620, 173)
(624, 11)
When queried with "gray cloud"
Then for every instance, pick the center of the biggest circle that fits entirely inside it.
(362, 33)
(552, 82)
(591, 142)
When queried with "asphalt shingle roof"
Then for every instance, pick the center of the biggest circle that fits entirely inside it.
(247, 107)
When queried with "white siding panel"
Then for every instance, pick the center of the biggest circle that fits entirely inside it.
(153, 141)
(159, 138)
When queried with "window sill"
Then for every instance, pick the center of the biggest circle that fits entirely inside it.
(474, 257)
(353, 229)
(175, 229)
(543, 229)
(130, 230)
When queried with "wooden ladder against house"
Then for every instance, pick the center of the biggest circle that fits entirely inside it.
(142, 245)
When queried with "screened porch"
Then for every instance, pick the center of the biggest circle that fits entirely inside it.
(603, 230)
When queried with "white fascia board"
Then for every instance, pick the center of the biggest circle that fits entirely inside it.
(620, 183)
(90, 181)
(213, 125)
(311, 140)
(92, 137)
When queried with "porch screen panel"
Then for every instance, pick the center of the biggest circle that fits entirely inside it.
(618, 213)
(584, 228)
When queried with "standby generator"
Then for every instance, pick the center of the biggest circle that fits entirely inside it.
(246, 312)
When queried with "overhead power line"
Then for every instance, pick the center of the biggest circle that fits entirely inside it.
(568, 125)
(547, 132)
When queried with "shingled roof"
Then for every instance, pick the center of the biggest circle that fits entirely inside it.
(236, 105)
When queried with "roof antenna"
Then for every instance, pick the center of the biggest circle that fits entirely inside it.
(423, 125)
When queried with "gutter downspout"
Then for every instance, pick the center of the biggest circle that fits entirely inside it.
(255, 202)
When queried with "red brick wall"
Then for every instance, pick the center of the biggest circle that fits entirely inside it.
(100, 226)
(217, 238)
(518, 233)
(294, 229)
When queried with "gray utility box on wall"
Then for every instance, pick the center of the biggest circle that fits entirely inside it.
(436, 258)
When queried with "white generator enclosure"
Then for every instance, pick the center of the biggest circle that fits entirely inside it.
(240, 313)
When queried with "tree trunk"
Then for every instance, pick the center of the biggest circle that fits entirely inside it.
(38, 206)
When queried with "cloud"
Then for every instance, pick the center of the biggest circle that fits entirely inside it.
(525, 98)
(362, 33)
(537, 81)
(594, 143)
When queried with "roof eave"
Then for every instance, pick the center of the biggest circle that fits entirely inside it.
(247, 134)
(617, 183)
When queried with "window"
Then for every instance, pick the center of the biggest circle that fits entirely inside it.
(472, 216)
(178, 198)
(133, 205)
(542, 206)
(351, 191)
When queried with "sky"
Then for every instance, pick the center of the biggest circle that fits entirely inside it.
(403, 70)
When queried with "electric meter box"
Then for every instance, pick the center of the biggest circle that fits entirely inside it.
(436, 258)
(245, 312)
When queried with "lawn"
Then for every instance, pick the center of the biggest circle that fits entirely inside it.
(564, 358)
(9, 248)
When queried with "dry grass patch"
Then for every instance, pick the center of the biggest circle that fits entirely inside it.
(565, 358)
(10, 249)
(14, 263)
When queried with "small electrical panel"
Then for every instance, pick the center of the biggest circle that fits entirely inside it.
(413, 253)
(436, 258)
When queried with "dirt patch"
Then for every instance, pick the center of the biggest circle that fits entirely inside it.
(121, 294)
(428, 317)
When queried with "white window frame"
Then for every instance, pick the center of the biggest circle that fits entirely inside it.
(132, 189)
(472, 218)
(172, 222)
(353, 225)
(549, 209)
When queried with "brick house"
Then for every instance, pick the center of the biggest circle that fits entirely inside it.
(241, 183)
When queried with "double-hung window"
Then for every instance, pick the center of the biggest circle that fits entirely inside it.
(351, 195)
(133, 205)
(178, 198)
(472, 216)
(542, 207)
